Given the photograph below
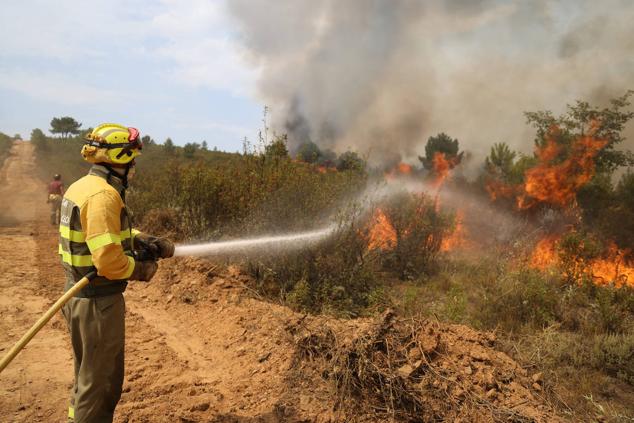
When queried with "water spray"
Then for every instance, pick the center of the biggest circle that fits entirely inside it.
(288, 241)
(298, 239)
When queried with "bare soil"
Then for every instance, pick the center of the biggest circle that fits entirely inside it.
(203, 347)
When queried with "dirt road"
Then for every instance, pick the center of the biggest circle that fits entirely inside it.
(34, 386)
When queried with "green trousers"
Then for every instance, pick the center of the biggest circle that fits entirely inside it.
(97, 333)
(55, 209)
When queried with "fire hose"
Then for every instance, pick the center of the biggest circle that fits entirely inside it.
(146, 252)
(43, 320)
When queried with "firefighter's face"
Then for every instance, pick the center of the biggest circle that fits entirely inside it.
(132, 171)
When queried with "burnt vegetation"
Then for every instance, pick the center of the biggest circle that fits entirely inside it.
(565, 315)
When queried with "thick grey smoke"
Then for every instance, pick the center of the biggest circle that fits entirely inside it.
(381, 76)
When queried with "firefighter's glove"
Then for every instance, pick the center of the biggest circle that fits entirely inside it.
(163, 246)
(144, 270)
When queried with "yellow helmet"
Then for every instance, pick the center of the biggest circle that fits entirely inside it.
(112, 143)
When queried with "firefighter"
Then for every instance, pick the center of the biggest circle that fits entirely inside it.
(55, 193)
(96, 235)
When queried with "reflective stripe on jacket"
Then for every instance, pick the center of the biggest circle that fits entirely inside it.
(95, 233)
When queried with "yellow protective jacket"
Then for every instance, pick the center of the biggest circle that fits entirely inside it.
(95, 233)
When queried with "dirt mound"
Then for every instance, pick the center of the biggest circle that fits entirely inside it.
(257, 361)
(419, 370)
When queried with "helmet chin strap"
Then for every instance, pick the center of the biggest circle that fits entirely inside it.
(123, 177)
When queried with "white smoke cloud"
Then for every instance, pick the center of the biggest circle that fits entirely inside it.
(382, 76)
(197, 39)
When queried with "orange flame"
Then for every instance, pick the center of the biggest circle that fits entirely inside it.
(498, 189)
(324, 169)
(545, 253)
(558, 183)
(551, 181)
(404, 168)
(398, 170)
(613, 268)
(382, 234)
(458, 238)
(441, 166)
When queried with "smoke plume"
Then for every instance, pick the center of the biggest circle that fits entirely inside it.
(381, 76)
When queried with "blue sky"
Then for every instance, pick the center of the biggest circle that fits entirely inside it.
(168, 68)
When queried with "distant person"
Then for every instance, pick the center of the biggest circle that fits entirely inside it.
(55, 194)
(96, 236)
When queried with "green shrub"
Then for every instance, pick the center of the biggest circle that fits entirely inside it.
(5, 145)
(552, 349)
(614, 355)
(54, 155)
(337, 276)
(238, 194)
(456, 306)
(592, 309)
(39, 140)
(518, 299)
(300, 296)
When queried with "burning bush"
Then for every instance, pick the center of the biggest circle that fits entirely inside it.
(415, 229)
(581, 256)
(557, 175)
(441, 152)
(576, 252)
